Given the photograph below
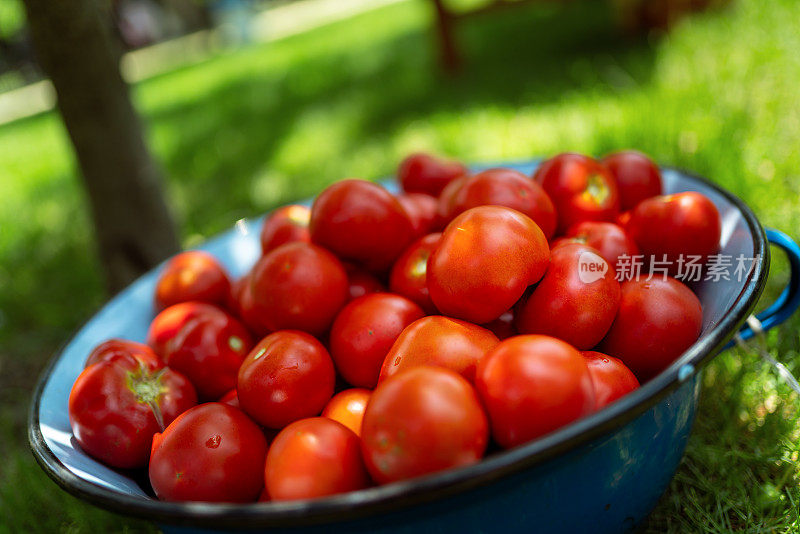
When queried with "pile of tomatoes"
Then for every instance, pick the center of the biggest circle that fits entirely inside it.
(382, 337)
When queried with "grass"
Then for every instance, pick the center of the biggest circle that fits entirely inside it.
(249, 130)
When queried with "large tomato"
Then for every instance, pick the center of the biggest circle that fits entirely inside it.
(610, 377)
(608, 239)
(112, 349)
(422, 211)
(637, 177)
(117, 405)
(581, 188)
(362, 222)
(313, 458)
(421, 421)
(533, 385)
(409, 275)
(657, 321)
(424, 173)
(576, 301)
(298, 286)
(287, 376)
(211, 453)
(285, 225)
(363, 333)
(347, 407)
(169, 321)
(485, 260)
(439, 341)
(361, 282)
(192, 275)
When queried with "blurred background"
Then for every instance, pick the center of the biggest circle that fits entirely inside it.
(244, 105)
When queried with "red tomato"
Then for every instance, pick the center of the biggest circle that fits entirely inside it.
(312, 458)
(509, 188)
(192, 275)
(608, 239)
(169, 321)
(409, 273)
(581, 189)
(117, 405)
(447, 200)
(287, 376)
(686, 224)
(485, 260)
(363, 333)
(610, 377)
(285, 225)
(503, 327)
(298, 286)
(361, 282)
(423, 420)
(439, 341)
(531, 386)
(637, 177)
(246, 307)
(347, 407)
(231, 398)
(112, 349)
(656, 322)
(422, 211)
(211, 453)
(423, 173)
(571, 302)
(623, 219)
(361, 222)
(209, 350)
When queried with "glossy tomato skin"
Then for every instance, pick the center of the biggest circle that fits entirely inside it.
(581, 189)
(611, 378)
(685, 224)
(422, 211)
(211, 453)
(192, 275)
(285, 225)
(509, 188)
(231, 398)
(532, 385)
(424, 173)
(409, 275)
(439, 341)
(361, 282)
(637, 177)
(569, 303)
(657, 321)
(421, 421)
(246, 308)
(486, 258)
(363, 333)
(298, 286)
(170, 320)
(447, 200)
(209, 350)
(610, 240)
(112, 349)
(347, 407)
(111, 408)
(313, 458)
(361, 222)
(287, 376)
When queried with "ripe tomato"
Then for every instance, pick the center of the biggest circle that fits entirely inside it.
(363, 333)
(686, 224)
(362, 222)
(298, 286)
(503, 327)
(192, 275)
(117, 405)
(209, 349)
(571, 302)
(347, 407)
(657, 320)
(421, 421)
(312, 458)
(287, 376)
(211, 453)
(532, 385)
(439, 341)
(231, 398)
(610, 377)
(637, 177)
(285, 225)
(581, 189)
(167, 323)
(485, 260)
(608, 239)
(409, 274)
(422, 211)
(424, 173)
(246, 308)
(112, 349)
(361, 283)
(509, 188)
(447, 200)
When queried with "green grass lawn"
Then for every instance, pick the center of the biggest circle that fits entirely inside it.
(248, 130)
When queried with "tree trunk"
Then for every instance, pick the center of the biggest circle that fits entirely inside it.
(133, 225)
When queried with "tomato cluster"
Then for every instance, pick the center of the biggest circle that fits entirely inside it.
(382, 337)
